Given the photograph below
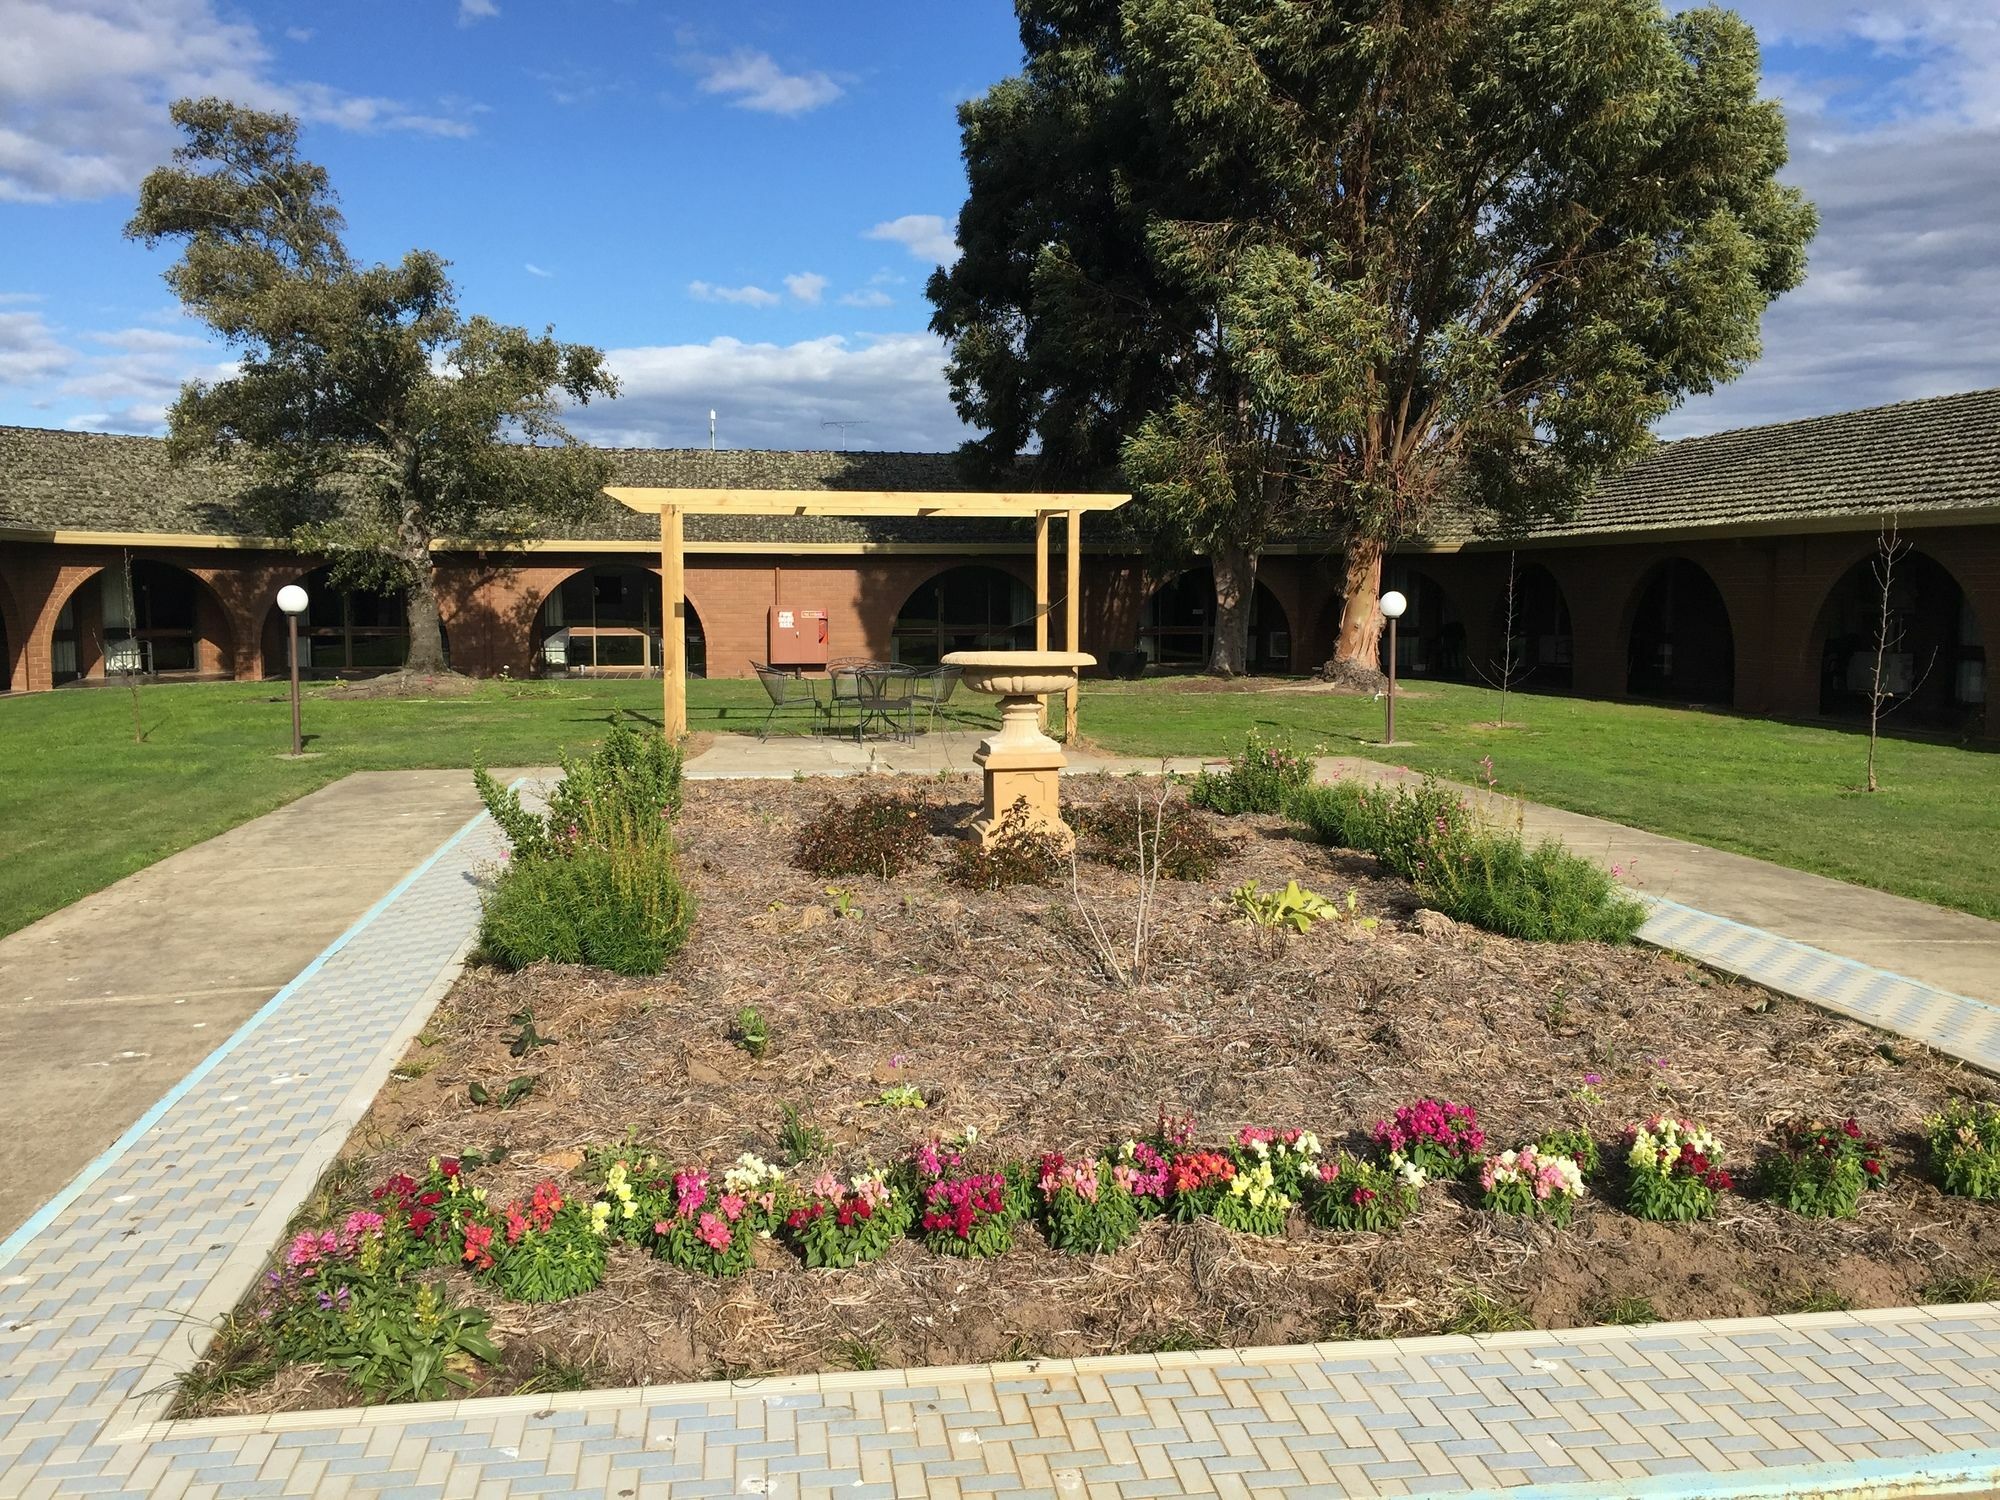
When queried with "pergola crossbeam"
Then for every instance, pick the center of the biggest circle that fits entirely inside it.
(673, 506)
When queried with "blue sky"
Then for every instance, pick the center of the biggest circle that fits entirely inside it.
(742, 202)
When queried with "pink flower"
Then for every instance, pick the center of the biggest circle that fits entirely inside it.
(713, 1232)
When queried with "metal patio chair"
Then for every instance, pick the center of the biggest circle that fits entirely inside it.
(883, 695)
(931, 691)
(785, 690)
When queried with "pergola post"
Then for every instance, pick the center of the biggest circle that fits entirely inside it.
(673, 626)
(1042, 599)
(1072, 612)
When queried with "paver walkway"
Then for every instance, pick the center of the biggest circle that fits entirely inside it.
(108, 1298)
(106, 1003)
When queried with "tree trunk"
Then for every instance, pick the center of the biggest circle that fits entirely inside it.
(1360, 641)
(1235, 570)
(426, 634)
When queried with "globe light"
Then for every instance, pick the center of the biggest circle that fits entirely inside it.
(1393, 605)
(292, 599)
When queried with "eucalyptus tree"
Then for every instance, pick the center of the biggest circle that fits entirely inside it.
(1351, 263)
(376, 419)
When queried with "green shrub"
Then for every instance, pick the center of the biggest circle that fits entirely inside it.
(629, 785)
(1020, 854)
(1257, 780)
(875, 834)
(1821, 1170)
(1578, 1144)
(1178, 838)
(1545, 894)
(1965, 1149)
(1487, 877)
(620, 907)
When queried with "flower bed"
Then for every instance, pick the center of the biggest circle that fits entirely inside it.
(793, 1211)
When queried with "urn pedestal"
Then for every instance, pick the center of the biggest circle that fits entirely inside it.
(1020, 763)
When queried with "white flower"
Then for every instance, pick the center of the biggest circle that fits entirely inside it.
(1411, 1174)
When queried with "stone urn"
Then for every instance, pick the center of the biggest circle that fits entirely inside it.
(1020, 762)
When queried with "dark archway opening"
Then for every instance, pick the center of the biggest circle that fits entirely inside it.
(1681, 646)
(1543, 642)
(1934, 667)
(1430, 638)
(343, 633)
(971, 608)
(1177, 628)
(150, 619)
(607, 621)
(6, 657)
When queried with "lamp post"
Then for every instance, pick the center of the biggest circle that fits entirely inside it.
(1393, 605)
(292, 600)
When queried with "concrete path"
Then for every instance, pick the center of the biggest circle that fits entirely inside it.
(110, 1295)
(106, 1004)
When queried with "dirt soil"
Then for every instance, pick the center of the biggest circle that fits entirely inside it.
(995, 1006)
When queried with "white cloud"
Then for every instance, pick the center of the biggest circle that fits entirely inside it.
(85, 85)
(471, 12)
(534, 270)
(778, 395)
(871, 297)
(926, 236)
(746, 296)
(30, 353)
(300, 33)
(752, 80)
(807, 286)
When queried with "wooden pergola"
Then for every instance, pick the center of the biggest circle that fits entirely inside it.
(673, 505)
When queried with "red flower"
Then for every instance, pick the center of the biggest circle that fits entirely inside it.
(420, 1220)
(400, 1185)
(430, 1200)
(448, 1165)
(478, 1245)
(1362, 1197)
(1872, 1167)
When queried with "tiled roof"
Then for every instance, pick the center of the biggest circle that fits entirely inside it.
(1939, 454)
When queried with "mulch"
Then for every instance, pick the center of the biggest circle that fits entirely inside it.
(998, 1008)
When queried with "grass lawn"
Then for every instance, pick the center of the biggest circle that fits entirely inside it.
(82, 805)
(1781, 792)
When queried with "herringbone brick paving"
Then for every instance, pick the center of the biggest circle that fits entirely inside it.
(109, 1299)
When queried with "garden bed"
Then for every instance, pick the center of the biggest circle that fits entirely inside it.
(995, 1008)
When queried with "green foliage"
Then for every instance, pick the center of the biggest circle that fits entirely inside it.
(397, 1342)
(627, 787)
(551, 1265)
(797, 1138)
(1481, 1312)
(1177, 840)
(376, 417)
(877, 833)
(1487, 877)
(1627, 1312)
(901, 1096)
(1293, 907)
(851, 1228)
(1822, 1170)
(515, 1090)
(1813, 1299)
(1965, 1149)
(1967, 1286)
(1260, 778)
(752, 1035)
(620, 907)
(1020, 854)
(527, 1039)
(1082, 1208)
(1360, 262)
(1359, 1195)
(1578, 1144)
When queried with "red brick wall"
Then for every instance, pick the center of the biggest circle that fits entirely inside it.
(1774, 589)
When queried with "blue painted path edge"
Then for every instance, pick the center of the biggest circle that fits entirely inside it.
(46, 1214)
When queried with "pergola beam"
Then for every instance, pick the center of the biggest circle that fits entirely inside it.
(674, 505)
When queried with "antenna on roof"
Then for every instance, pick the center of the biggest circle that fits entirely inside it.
(711, 429)
(843, 426)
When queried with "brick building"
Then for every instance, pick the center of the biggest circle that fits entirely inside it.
(1731, 570)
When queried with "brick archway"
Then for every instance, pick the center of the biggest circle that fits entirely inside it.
(1934, 662)
(212, 632)
(1680, 640)
(13, 643)
(603, 643)
(984, 610)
